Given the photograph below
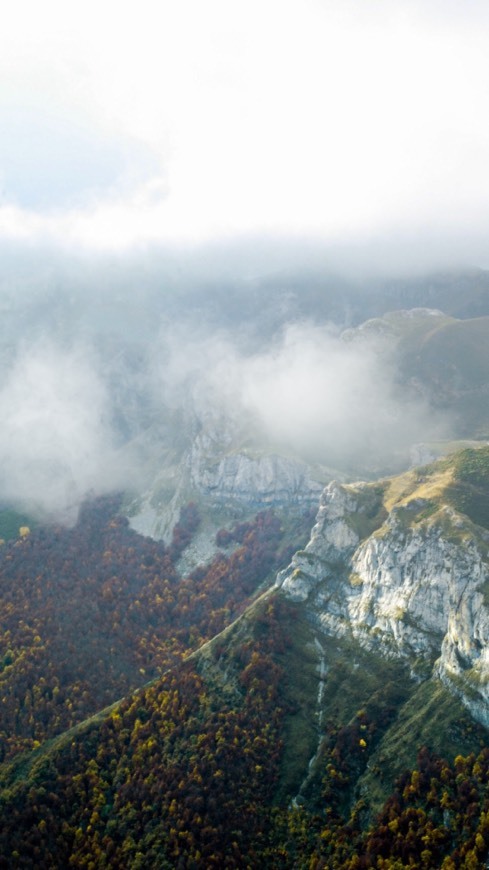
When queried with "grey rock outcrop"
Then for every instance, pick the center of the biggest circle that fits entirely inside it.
(267, 480)
(332, 542)
(409, 590)
(224, 478)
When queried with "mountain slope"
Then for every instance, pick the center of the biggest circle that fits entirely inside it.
(440, 357)
(401, 566)
(276, 742)
(208, 767)
(88, 614)
(429, 381)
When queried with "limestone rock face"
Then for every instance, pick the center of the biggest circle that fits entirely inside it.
(332, 541)
(262, 480)
(408, 589)
(215, 471)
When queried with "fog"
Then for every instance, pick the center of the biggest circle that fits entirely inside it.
(96, 358)
(195, 201)
(310, 392)
(56, 443)
(334, 401)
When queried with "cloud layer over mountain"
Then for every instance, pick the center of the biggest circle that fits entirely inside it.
(153, 153)
(89, 383)
(172, 123)
(309, 391)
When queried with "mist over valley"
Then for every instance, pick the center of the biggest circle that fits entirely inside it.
(244, 441)
(102, 377)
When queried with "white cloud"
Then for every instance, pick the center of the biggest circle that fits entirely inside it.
(55, 439)
(327, 399)
(341, 120)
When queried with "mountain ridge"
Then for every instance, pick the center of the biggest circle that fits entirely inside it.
(324, 718)
(239, 690)
(413, 586)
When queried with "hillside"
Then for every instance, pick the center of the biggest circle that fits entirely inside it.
(443, 358)
(88, 614)
(270, 648)
(279, 740)
(429, 382)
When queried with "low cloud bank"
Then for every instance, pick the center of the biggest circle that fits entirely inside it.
(55, 438)
(329, 400)
(335, 401)
(94, 364)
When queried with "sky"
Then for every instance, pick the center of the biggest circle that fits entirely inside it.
(155, 145)
(162, 123)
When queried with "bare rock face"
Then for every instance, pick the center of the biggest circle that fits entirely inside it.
(216, 472)
(271, 479)
(414, 590)
(332, 541)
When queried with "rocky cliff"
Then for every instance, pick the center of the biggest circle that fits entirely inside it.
(404, 570)
(229, 477)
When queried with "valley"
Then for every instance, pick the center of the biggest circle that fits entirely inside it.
(267, 650)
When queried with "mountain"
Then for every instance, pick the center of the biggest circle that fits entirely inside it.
(278, 741)
(443, 358)
(90, 613)
(400, 568)
(269, 649)
(219, 455)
